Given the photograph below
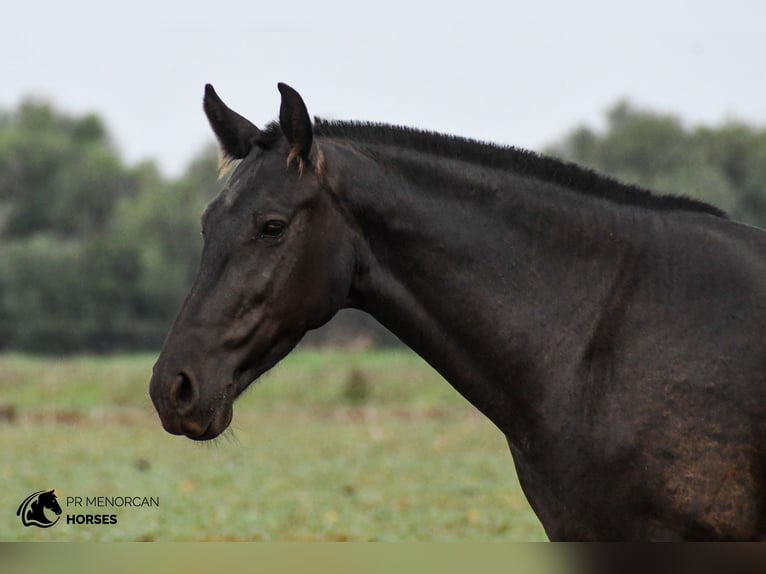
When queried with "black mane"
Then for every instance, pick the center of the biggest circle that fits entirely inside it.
(517, 160)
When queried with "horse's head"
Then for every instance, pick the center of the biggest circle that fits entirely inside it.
(48, 500)
(277, 261)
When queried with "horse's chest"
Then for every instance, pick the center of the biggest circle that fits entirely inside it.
(576, 494)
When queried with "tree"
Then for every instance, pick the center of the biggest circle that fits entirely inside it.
(57, 173)
(723, 165)
(93, 255)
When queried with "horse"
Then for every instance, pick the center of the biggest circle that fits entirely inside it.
(32, 510)
(612, 334)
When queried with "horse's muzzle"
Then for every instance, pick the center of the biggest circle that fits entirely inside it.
(182, 409)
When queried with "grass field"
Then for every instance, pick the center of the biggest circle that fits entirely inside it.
(331, 445)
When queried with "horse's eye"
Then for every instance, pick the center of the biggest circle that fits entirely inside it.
(273, 229)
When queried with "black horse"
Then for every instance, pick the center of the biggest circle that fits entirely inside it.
(613, 335)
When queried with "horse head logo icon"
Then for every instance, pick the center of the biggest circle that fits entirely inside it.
(32, 510)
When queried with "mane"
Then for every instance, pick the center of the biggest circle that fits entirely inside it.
(519, 161)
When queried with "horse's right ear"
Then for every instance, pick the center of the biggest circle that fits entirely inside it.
(236, 135)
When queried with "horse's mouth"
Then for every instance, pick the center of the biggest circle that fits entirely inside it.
(200, 430)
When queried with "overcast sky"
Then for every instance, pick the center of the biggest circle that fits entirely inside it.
(520, 73)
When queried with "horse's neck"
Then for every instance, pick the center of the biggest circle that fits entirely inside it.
(475, 272)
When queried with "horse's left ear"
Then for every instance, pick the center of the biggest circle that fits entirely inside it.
(296, 124)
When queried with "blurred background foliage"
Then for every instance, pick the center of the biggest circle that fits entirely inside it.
(723, 165)
(97, 255)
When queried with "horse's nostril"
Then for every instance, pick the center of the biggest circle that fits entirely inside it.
(184, 394)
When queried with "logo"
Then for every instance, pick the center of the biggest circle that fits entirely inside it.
(32, 510)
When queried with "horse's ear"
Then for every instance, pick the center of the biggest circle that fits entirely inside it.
(295, 123)
(236, 135)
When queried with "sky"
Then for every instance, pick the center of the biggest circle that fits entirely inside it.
(516, 73)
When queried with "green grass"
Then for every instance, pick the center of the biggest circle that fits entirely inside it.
(308, 458)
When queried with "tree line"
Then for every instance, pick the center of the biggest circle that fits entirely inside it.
(97, 255)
